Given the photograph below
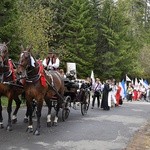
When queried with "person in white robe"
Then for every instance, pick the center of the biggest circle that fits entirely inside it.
(112, 94)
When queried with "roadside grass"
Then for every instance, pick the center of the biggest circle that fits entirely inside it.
(4, 101)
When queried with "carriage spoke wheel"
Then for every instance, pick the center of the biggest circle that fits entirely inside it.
(65, 113)
(85, 104)
(66, 109)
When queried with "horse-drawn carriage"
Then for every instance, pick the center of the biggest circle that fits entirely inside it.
(76, 94)
(40, 85)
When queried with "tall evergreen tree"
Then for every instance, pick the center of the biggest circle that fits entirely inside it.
(8, 26)
(79, 36)
(115, 48)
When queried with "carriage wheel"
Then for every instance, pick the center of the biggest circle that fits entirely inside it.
(54, 104)
(67, 101)
(85, 104)
(65, 113)
(66, 110)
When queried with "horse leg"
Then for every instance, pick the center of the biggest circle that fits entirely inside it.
(56, 116)
(34, 108)
(29, 113)
(9, 110)
(18, 103)
(1, 117)
(33, 112)
(26, 117)
(38, 113)
(49, 105)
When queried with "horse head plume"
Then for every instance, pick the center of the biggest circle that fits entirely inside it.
(29, 48)
(22, 48)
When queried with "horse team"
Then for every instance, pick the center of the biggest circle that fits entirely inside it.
(37, 84)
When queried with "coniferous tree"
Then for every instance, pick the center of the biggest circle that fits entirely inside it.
(115, 49)
(79, 36)
(8, 26)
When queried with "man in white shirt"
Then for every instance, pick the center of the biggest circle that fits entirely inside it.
(51, 62)
(56, 61)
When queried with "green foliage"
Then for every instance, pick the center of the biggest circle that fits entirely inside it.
(106, 36)
(118, 47)
(78, 36)
(34, 22)
(8, 26)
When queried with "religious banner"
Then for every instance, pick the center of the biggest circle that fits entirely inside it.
(71, 67)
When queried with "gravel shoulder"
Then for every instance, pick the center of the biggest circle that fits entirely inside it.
(141, 139)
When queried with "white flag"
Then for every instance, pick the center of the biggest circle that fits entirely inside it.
(127, 78)
(136, 82)
(144, 84)
(92, 77)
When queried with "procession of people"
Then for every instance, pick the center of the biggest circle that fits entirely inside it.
(107, 93)
(111, 93)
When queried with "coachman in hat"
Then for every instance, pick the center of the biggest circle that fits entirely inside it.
(52, 61)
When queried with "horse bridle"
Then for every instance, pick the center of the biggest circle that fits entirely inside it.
(29, 71)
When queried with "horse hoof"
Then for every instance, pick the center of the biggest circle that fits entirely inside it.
(36, 133)
(25, 120)
(55, 124)
(30, 130)
(9, 128)
(1, 126)
(49, 124)
(14, 121)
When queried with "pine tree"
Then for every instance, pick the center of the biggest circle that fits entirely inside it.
(79, 36)
(8, 26)
(115, 42)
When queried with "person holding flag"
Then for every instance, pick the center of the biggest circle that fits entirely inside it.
(130, 92)
(96, 87)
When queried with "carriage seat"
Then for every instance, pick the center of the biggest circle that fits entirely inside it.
(70, 84)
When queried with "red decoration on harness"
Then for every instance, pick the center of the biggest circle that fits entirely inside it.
(12, 69)
(41, 69)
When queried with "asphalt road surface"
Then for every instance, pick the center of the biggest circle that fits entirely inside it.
(98, 130)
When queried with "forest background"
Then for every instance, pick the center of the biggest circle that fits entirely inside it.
(111, 37)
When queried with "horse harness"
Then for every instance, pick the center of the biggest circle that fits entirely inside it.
(49, 73)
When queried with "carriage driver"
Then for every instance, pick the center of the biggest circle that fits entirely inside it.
(52, 61)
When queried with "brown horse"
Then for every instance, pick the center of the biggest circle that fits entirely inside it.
(8, 86)
(40, 85)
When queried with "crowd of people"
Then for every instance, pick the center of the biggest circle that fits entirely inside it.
(137, 92)
(107, 94)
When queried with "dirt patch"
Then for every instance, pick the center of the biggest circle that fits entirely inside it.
(141, 139)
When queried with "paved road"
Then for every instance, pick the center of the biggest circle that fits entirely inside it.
(98, 130)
